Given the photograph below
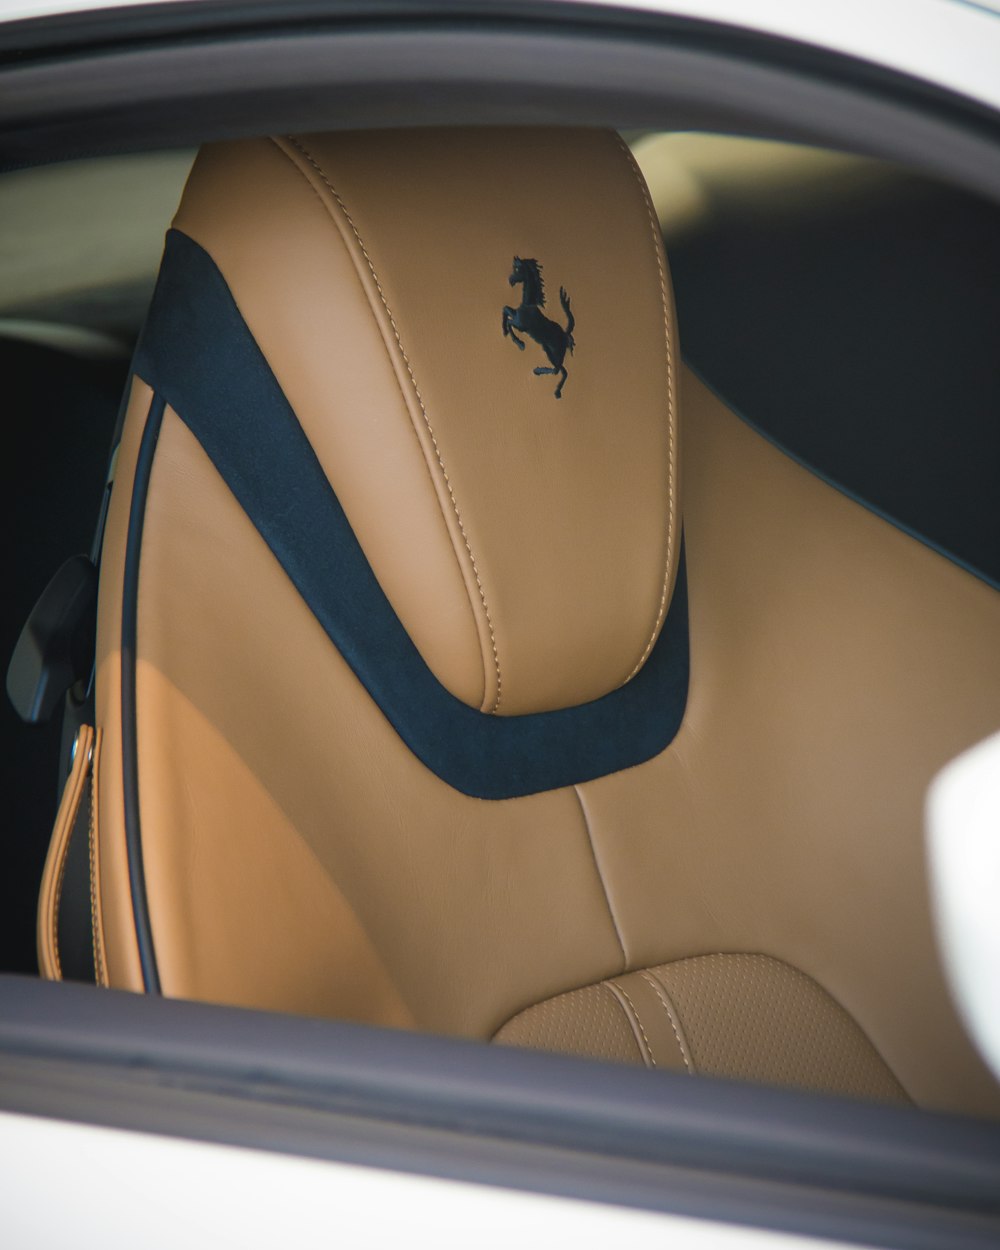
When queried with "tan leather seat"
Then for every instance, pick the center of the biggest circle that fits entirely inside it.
(486, 753)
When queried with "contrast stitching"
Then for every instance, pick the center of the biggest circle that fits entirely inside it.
(674, 1022)
(600, 876)
(657, 245)
(416, 390)
(625, 995)
(100, 971)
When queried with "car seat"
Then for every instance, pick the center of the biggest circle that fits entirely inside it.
(465, 665)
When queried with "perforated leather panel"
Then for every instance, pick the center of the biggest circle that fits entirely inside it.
(587, 1022)
(735, 1015)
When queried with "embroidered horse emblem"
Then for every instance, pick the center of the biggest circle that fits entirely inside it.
(528, 317)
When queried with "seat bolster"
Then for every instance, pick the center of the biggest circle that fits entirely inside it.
(744, 1016)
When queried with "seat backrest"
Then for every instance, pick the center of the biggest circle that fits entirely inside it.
(412, 709)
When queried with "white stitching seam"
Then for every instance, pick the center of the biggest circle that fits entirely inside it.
(614, 986)
(100, 967)
(657, 243)
(54, 925)
(416, 390)
(674, 1022)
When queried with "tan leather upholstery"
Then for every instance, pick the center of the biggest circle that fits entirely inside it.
(743, 1016)
(115, 894)
(529, 545)
(297, 854)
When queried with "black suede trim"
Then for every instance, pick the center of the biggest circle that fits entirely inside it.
(198, 354)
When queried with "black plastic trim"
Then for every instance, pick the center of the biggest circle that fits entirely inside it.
(130, 749)
(57, 642)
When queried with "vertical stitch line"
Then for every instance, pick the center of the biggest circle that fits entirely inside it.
(416, 390)
(57, 962)
(657, 248)
(624, 993)
(100, 970)
(674, 1022)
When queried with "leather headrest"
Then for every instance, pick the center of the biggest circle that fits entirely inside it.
(406, 288)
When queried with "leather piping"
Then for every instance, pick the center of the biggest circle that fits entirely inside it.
(130, 751)
(660, 990)
(631, 1014)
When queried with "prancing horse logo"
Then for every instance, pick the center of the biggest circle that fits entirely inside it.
(530, 320)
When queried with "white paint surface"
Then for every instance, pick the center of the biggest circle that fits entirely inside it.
(947, 42)
(71, 1185)
(11, 10)
(963, 833)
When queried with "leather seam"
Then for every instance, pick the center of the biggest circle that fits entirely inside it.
(661, 993)
(671, 416)
(100, 967)
(320, 172)
(616, 989)
(600, 877)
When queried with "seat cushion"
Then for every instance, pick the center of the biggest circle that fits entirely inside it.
(736, 1015)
